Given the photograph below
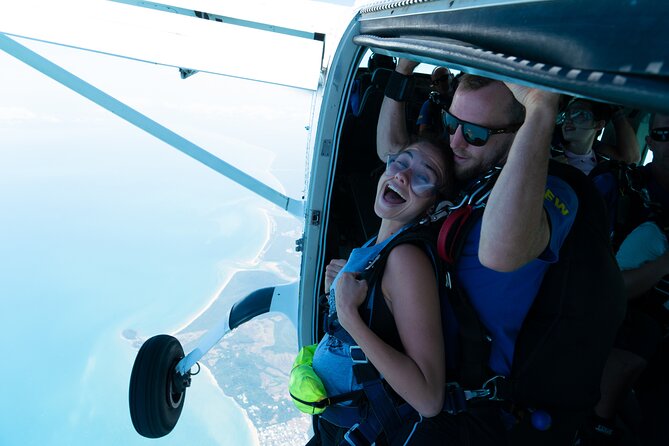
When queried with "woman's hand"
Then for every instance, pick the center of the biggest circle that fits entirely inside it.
(350, 293)
(331, 272)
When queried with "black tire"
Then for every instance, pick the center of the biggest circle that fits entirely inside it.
(155, 404)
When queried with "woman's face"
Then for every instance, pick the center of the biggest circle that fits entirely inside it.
(579, 123)
(410, 183)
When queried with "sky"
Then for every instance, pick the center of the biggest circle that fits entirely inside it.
(104, 227)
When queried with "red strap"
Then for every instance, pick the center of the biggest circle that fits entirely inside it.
(449, 232)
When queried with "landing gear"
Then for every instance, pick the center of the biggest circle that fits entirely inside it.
(157, 390)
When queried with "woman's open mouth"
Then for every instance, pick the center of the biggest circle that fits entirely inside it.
(392, 195)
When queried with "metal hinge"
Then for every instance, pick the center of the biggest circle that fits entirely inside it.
(315, 218)
(326, 147)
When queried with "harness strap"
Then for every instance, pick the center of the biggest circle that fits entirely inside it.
(449, 232)
(474, 338)
(381, 404)
(366, 432)
(384, 416)
(341, 398)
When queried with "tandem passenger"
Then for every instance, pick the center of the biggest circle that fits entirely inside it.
(404, 344)
(581, 123)
(575, 143)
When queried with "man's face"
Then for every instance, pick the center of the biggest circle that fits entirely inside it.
(660, 148)
(441, 80)
(487, 107)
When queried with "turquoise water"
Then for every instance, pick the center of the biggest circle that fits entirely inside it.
(84, 260)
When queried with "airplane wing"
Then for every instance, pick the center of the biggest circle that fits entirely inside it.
(175, 36)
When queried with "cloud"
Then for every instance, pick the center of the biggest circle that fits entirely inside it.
(22, 114)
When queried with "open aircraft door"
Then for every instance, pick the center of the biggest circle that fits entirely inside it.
(161, 371)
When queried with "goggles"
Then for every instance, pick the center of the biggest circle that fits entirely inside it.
(474, 134)
(660, 134)
(423, 180)
(577, 116)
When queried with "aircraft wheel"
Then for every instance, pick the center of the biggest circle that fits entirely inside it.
(156, 400)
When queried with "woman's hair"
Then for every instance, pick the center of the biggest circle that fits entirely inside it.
(447, 189)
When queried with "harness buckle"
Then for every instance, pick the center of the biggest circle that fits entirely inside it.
(357, 355)
(492, 386)
(455, 400)
(355, 438)
(477, 394)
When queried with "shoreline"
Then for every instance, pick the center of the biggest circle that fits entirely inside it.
(241, 356)
(253, 431)
(229, 273)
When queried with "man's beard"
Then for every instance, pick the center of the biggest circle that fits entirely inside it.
(464, 174)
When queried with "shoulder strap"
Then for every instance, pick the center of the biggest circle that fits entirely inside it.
(378, 319)
(631, 203)
(474, 339)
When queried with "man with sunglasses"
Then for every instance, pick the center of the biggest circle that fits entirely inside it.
(429, 117)
(580, 124)
(527, 216)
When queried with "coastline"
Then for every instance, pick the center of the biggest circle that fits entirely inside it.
(251, 364)
(229, 272)
(230, 403)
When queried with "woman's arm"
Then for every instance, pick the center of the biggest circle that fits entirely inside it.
(410, 286)
(627, 146)
(640, 280)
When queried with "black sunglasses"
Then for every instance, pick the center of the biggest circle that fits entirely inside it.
(474, 134)
(660, 134)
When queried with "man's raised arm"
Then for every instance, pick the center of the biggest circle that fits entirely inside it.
(515, 225)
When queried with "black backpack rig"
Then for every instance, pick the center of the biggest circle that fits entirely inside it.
(570, 328)
(630, 204)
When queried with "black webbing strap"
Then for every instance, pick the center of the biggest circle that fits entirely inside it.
(341, 398)
(418, 235)
(384, 415)
(474, 338)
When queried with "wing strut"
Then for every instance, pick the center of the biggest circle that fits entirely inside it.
(224, 19)
(15, 49)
